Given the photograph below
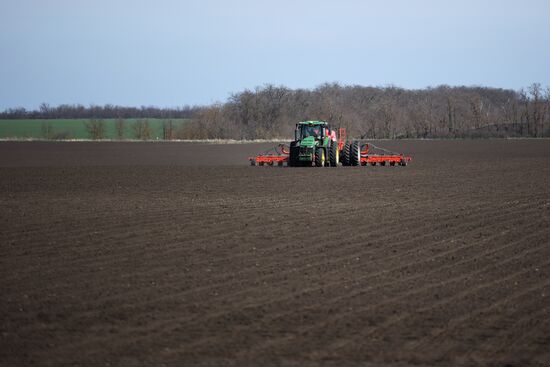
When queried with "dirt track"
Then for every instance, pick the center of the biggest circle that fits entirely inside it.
(156, 253)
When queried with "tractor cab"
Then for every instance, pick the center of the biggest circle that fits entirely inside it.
(310, 129)
(306, 131)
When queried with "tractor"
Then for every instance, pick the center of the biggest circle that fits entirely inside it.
(317, 144)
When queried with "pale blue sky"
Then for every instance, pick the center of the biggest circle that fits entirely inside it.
(170, 53)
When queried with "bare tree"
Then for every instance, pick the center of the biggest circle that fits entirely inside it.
(47, 130)
(167, 129)
(451, 115)
(120, 127)
(45, 110)
(387, 118)
(476, 106)
(537, 108)
(95, 128)
(546, 113)
(510, 114)
(142, 130)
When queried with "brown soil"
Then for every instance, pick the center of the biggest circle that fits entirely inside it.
(182, 254)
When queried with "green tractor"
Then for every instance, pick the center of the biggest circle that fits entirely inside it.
(316, 143)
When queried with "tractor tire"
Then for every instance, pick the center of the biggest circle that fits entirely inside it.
(403, 163)
(334, 155)
(293, 156)
(320, 157)
(345, 154)
(355, 154)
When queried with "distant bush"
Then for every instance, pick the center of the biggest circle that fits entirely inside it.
(168, 129)
(120, 126)
(96, 129)
(142, 130)
(47, 130)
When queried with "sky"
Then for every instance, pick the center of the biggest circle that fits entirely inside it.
(170, 53)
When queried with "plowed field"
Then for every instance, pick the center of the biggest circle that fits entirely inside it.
(182, 254)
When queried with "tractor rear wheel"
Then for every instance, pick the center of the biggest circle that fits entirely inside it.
(320, 157)
(355, 154)
(293, 156)
(345, 154)
(334, 155)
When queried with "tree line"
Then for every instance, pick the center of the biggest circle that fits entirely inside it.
(379, 112)
(366, 112)
(66, 111)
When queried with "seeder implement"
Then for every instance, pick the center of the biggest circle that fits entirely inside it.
(382, 156)
(274, 156)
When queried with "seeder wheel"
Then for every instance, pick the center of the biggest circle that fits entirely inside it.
(345, 154)
(355, 154)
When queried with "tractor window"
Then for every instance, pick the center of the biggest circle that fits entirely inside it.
(311, 131)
